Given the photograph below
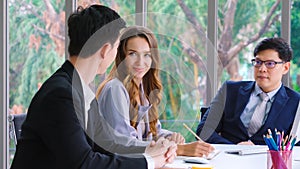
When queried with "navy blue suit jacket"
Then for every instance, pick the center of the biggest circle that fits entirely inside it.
(222, 124)
(53, 136)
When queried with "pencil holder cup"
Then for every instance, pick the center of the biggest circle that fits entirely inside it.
(279, 159)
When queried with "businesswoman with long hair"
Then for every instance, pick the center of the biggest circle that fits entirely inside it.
(130, 96)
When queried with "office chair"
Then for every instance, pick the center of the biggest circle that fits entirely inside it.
(15, 124)
(203, 109)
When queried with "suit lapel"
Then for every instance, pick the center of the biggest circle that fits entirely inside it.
(91, 118)
(278, 104)
(77, 91)
(243, 95)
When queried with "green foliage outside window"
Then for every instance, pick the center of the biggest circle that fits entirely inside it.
(37, 35)
(34, 49)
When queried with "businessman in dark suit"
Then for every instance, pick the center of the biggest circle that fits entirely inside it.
(53, 134)
(233, 116)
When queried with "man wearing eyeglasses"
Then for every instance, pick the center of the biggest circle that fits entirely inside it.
(242, 112)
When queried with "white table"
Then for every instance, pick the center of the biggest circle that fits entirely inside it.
(232, 161)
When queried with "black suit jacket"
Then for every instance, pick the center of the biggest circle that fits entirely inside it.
(52, 134)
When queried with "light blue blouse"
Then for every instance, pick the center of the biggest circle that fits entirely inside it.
(114, 104)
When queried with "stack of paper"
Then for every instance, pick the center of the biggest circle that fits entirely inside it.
(248, 151)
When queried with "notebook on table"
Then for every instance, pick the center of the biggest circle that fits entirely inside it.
(248, 151)
(213, 154)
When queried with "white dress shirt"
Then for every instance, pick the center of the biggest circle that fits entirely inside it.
(89, 96)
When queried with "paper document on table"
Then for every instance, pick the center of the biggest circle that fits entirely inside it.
(248, 151)
(213, 154)
(197, 160)
(296, 127)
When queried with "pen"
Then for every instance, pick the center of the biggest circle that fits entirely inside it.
(269, 131)
(200, 167)
(272, 143)
(285, 140)
(293, 142)
(192, 132)
(287, 145)
(273, 135)
(282, 140)
(267, 142)
(278, 139)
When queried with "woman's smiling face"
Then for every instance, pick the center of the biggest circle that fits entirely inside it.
(138, 57)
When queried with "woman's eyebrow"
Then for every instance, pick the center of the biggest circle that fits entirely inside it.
(133, 50)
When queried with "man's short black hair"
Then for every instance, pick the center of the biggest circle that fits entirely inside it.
(283, 49)
(90, 28)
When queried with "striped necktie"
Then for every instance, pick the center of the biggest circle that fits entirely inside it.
(258, 115)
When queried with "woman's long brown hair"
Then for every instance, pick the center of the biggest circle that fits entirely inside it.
(151, 80)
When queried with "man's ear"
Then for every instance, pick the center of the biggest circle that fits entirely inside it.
(286, 67)
(104, 50)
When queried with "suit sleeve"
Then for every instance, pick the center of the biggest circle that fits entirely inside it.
(105, 136)
(162, 132)
(61, 132)
(211, 124)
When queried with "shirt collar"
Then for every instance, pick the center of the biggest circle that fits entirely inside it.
(88, 94)
(257, 90)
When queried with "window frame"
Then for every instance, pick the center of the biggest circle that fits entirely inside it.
(141, 7)
(4, 85)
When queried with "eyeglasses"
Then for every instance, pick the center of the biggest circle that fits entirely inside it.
(270, 64)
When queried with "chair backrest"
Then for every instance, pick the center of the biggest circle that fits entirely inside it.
(203, 109)
(15, 124)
